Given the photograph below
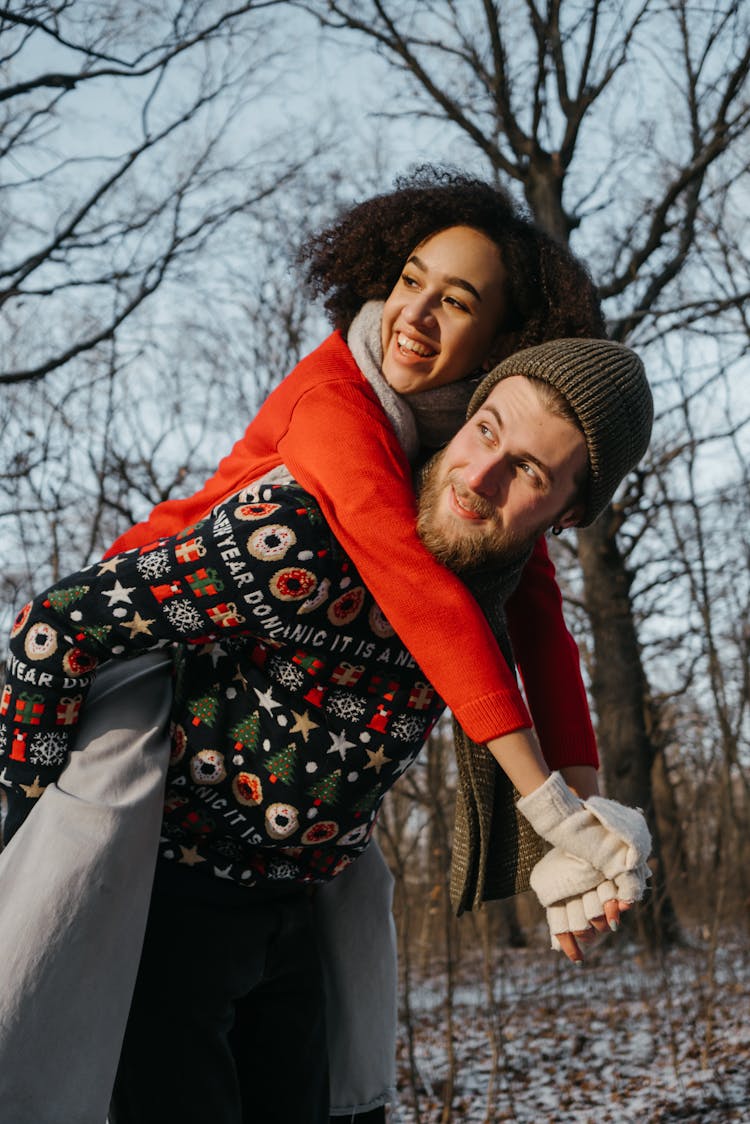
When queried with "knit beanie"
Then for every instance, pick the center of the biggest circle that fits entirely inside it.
(605, 385)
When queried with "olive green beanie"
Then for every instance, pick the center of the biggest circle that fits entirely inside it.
(605, 385)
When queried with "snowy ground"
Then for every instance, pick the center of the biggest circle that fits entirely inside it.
(623, 1039)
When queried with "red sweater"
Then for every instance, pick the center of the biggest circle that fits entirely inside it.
(326, 425)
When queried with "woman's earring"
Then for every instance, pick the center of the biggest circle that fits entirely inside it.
(557, 530)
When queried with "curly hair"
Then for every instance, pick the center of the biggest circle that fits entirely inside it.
(361, 255)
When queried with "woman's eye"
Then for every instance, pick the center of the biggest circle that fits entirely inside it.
(456, 303)
(410, 282)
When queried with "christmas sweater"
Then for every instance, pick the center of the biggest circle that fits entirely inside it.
(324, 422)
(296, 706)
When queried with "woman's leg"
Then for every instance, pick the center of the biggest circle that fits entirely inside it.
(357, 942)
(75, 883)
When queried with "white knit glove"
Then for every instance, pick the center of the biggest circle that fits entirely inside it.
(612, 838)
(573, 891)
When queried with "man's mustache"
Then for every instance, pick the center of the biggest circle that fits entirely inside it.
(469, 499)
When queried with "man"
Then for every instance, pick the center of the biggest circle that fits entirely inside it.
(295, 709)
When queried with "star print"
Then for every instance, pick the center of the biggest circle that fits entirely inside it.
(377, 760)
(215, 651)
(403, 764)
(138, 624)
(190, 855)
(33, 791)
(118, 593)
(339, 744)
(109, 565)
(303, 725)
(266, 700)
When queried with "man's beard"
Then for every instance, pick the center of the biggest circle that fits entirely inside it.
(464, 550)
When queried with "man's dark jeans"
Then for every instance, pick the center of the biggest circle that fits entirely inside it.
(227, 1024)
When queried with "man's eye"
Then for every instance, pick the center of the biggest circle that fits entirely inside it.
(530, 471)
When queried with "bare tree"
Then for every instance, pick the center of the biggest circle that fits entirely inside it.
(120, 159)
(624, 126)
(705, 718)
(145, 275)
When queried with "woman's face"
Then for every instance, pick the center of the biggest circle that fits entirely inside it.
(445, 311)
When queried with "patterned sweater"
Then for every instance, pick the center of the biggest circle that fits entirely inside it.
(296, 706)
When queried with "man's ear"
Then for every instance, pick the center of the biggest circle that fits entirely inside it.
(570, 518)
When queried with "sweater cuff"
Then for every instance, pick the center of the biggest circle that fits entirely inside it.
(491, 716)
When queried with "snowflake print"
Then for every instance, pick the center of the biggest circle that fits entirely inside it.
(170, 831)
(229, 848)
(183, 616)
(345, 705)
(408, 728)
(281, 869)
(48, 749)
(286, 674)
(153, 565)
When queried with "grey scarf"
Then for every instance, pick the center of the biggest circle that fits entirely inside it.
(425, 420)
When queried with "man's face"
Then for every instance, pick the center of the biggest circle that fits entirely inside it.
(510, 473)
(445, 311)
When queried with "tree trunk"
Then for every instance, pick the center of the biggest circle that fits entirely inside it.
(543, 188)
(620, 693)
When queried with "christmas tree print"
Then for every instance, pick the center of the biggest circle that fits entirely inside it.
(205, 708)
(312, 511)
(97, 632)
(325, 791)
(61, 598)
(368, 801)
(281, 765)
(245, 733)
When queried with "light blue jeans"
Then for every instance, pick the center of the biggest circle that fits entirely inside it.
(75, 883)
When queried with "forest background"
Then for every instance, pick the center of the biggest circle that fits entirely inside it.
(161, 163)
